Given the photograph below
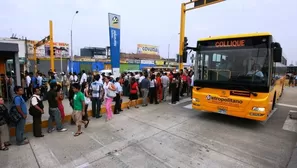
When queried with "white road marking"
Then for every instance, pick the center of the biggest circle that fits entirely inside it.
(84, 165)
(54, 156)
(286, 105)
(273, 111)
(182, 101)
(189, 106)
(290, 124)
(93, 138)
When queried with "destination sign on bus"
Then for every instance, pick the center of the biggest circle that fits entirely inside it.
(230, 43)
(249, 42)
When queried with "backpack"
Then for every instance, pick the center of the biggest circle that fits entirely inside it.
(14, 115)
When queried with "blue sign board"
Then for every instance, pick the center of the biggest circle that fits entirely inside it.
(114, 38)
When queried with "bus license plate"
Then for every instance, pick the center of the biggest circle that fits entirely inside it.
(222, 111)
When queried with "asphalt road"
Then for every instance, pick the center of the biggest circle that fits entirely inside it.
(166, 136)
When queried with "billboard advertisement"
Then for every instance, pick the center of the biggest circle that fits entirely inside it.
(114, 38)
(61, 49)
(40, 51)
(147, 49)
(159, 62)
(147, 62)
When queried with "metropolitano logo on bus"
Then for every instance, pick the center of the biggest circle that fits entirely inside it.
(223, 101)
(147, 49)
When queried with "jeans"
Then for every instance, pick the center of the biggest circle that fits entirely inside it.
(153, 95)
(65, 90)
(55, 115)
(96, 107)
(165, 92)
(19, 131)
(144, 96)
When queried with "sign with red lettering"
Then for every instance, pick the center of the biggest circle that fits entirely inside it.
(236, 43)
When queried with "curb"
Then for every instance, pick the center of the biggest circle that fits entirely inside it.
(293, 160)
(44, 123)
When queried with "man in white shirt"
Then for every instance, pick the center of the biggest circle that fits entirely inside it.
(141, 77)
(37, 112)
(101, 79)
(137, 76)
(118, 98)
(165, 84)
(97, 96)
(39, 79)
(71, 78)
(28, 86)
(84, 77)
(75, 78)
(192, 84)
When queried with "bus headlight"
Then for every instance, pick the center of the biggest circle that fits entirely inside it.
(195, 100)
(260, 109)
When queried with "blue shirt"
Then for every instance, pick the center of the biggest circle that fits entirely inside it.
(19, 101)
(119, 88)
(34, 81)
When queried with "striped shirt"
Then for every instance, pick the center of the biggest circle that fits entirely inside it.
(96, 88)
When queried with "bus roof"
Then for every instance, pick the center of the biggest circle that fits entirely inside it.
(278, 64)
(235, 36)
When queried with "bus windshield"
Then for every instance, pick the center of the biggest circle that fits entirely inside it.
(237, 66)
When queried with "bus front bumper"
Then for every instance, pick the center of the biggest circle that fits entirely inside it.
(248, 114)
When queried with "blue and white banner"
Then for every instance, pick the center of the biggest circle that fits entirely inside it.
(115, 41)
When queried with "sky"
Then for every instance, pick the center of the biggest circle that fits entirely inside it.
(154, 22)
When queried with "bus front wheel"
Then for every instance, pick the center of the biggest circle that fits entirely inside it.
(274, 101)
(282, 91)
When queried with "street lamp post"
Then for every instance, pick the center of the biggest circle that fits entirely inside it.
(168, 54)
(169, 50)
(72, 57)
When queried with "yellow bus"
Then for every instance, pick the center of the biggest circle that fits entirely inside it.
(238, 75)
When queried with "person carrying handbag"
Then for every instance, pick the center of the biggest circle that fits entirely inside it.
(109, 95)
(36, 111)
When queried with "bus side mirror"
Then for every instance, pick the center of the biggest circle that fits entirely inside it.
(277, 55)
(277, 52)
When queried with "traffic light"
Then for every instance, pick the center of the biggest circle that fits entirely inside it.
(55, 51)
(177, 58)
(38, 61)
(185, 53)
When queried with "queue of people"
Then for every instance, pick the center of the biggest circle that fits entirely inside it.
(84, 91)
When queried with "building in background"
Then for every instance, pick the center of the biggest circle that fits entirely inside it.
(95, 52)
(61, 49)
(26, 52)
(8, 65)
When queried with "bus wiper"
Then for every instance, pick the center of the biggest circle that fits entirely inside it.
(251, 92)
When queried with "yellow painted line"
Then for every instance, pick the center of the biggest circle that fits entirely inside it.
(44, 124)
